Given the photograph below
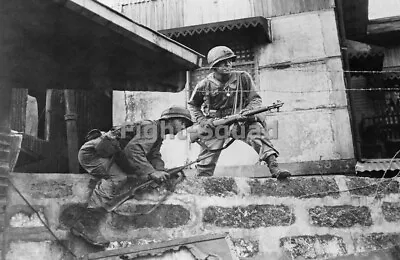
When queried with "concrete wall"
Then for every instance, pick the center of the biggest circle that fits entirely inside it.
(303, 218)
(314, 123)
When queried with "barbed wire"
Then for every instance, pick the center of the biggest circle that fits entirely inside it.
(57, 239)
(289, 68)
(230, 92)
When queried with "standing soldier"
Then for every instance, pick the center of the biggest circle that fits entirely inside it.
(226, 92)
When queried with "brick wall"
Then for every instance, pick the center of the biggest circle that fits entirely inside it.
(303, 218)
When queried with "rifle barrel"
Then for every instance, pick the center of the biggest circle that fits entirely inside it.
(256, 111)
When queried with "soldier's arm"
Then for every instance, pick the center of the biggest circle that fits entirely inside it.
(195, 102)
(253, 98)
(133, 159)
(155, 158)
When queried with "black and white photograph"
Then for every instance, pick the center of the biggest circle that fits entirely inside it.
(200, 129)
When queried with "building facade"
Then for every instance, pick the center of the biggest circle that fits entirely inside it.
(293, 52)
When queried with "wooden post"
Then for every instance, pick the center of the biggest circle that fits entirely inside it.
(347, 75)
(49, 93)
(72, 131)
(5, 143)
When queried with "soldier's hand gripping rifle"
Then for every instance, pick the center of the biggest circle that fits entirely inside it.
(198, 131)
(173, 173)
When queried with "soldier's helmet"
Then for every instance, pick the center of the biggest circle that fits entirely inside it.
(177, 112)
(219, 53)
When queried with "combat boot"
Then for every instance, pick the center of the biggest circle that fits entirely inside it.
(276, 172)
(87, 226)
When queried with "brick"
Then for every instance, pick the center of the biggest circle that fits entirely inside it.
(35, 250)
(4, 147)
(340, 216)
(384, 254)
(5, 139)
(368, 186)
(164, 216)
(210, 186)
(2, 221)
(4, 170)
(295, 187)
(376, 241)
(24, 216)
(51, 189)
(246, 247)
(391, 211)
(251, 216)
(3, 190)
(89, 218)
(4, 155)
(313, 247)
(3, 181)
(220, 186)
(191, 186)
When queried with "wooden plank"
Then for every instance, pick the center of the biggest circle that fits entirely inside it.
(135, 31)
(49, 93)
(384, 25)
(18, 109)
(5, 105)
(391, 59)
(163, 245)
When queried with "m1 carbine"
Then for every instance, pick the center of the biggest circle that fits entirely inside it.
(173, 173)
(197, 132)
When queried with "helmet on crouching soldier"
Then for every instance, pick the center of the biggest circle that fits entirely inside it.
(177, 112)
(218, 54)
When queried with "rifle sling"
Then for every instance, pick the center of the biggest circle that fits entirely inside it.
(164, 198)
(179, 180)
(202, 144)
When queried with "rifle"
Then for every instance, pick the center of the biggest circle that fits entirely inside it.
(198, 131)
(174, 172)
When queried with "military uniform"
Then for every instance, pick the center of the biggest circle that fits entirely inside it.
(213, 99)
(137, 154)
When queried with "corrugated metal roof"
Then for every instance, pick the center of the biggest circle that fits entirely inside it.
(378, 165)
(252, 22)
